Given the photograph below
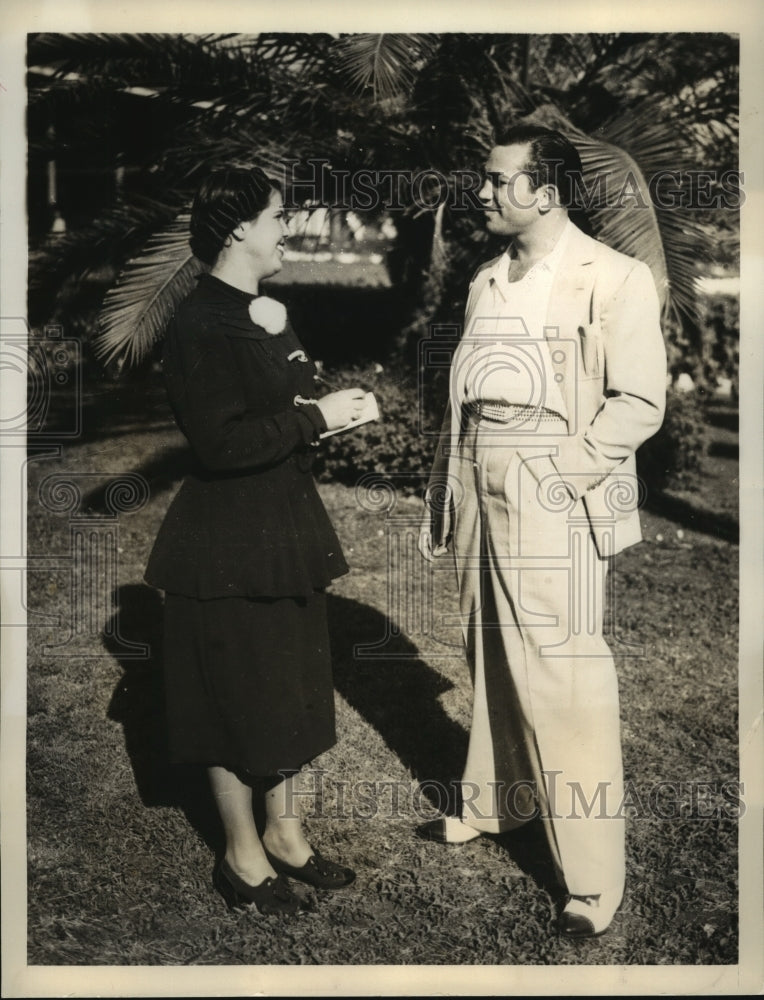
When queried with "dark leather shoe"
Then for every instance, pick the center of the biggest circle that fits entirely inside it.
(588, 916)
(317, 871)
(272, 895)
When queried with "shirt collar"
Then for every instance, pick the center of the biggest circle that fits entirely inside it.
(548, 264)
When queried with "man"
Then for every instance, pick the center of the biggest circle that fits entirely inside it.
(558, 379)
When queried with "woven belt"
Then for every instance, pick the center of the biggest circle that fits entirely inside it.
(506, 413)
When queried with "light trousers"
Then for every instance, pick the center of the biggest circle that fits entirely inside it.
(545, 733)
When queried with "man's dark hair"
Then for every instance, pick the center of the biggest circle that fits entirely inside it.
(552, 159)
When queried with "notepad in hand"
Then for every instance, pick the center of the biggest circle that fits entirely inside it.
(369, 412)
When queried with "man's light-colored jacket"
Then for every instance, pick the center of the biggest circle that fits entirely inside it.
(605, 304)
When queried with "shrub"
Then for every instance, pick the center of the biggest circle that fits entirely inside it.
(710, 349)
(674, 455)
(721, 354)
(399, 446)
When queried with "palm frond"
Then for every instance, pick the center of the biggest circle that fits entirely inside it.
(624, 214)
(388, 63)
(658, 147)
(136, 311)
(181, 67)
(132, 58)
(183, 70)
(301, 55)
(194, 152)
(630, 222)
(102, 244)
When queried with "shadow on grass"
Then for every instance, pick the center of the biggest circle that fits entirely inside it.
(103, 409)
(138, 705)
(396, 694)
(161, 473)
(528, 847)
(725, 415)
(693, 516)
(724, 449)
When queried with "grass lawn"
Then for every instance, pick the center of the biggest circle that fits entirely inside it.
(121, 846)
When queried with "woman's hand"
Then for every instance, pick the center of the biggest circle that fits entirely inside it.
(341, 407)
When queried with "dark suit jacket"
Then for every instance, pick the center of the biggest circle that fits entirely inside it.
(248, 521)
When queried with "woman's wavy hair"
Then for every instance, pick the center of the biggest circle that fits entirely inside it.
(226, 198)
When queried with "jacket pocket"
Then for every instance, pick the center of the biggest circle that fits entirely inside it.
(590, 342)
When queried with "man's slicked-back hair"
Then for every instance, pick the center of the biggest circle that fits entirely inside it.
(226, 198)
(552, 159)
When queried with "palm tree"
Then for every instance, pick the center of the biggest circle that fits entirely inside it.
(158, 111)
(634, 104)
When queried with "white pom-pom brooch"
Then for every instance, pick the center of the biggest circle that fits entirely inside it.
(268, 313)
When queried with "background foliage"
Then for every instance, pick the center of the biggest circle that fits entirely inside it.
(159, 111)
(134, 122)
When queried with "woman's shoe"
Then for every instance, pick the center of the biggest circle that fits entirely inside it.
(589, 916)
(272, 895)
(317, 871)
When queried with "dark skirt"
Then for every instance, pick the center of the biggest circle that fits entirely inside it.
(248, 682)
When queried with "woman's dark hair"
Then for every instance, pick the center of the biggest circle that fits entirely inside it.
(226, 198)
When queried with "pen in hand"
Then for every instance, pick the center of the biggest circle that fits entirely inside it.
(323, 381)
(335, 388)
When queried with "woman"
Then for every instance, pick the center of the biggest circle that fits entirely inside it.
(246, 548)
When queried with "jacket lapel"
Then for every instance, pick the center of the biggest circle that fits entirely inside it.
(466, 342)
(476, 287)
(572, 282)
(569, 309)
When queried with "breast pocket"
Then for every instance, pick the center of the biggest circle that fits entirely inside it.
(590, 345)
